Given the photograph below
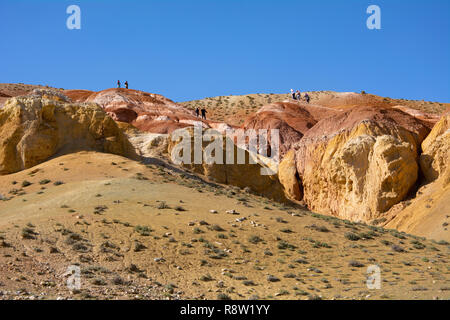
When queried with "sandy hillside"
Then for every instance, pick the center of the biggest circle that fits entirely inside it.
(146, 231)
(426, 215)
(234, 109)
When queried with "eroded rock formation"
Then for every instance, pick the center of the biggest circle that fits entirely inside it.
(287, 173)
(427, 213)
(32, 129)
(358, 164)
(248, 173)
(292, 121)
(146, 111)
(435, 158)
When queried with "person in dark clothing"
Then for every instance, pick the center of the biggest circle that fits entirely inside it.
(126, 84)
(307, 98)
(203, 113)
(298, 95)
(293, 94)
(118, 83)
(197, 112)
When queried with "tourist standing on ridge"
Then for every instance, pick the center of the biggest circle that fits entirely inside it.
(203, 113)
(293, 94)
(126, 84)
(197, 112)
(307, 97)
(298, 94)
(118, 83)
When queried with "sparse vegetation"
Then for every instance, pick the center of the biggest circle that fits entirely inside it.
(28, 233)
(352, 236)
(254, 239)
(26, 183)
(44, 181)
(355, 264)
(297, 254)
(143, 230)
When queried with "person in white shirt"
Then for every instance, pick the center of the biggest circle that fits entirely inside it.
(293, 94)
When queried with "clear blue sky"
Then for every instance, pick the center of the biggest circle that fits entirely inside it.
(191, 49)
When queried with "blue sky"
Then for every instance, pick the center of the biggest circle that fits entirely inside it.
(191, 49)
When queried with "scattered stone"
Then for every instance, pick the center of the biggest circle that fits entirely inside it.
(272, 278)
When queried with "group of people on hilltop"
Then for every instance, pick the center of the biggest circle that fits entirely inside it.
(203, 111)
(197, 111)
(297, 95)
(125, 84)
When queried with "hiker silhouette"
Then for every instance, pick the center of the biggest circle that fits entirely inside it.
(307, 98)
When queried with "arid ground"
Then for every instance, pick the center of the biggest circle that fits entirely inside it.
(110, 202)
